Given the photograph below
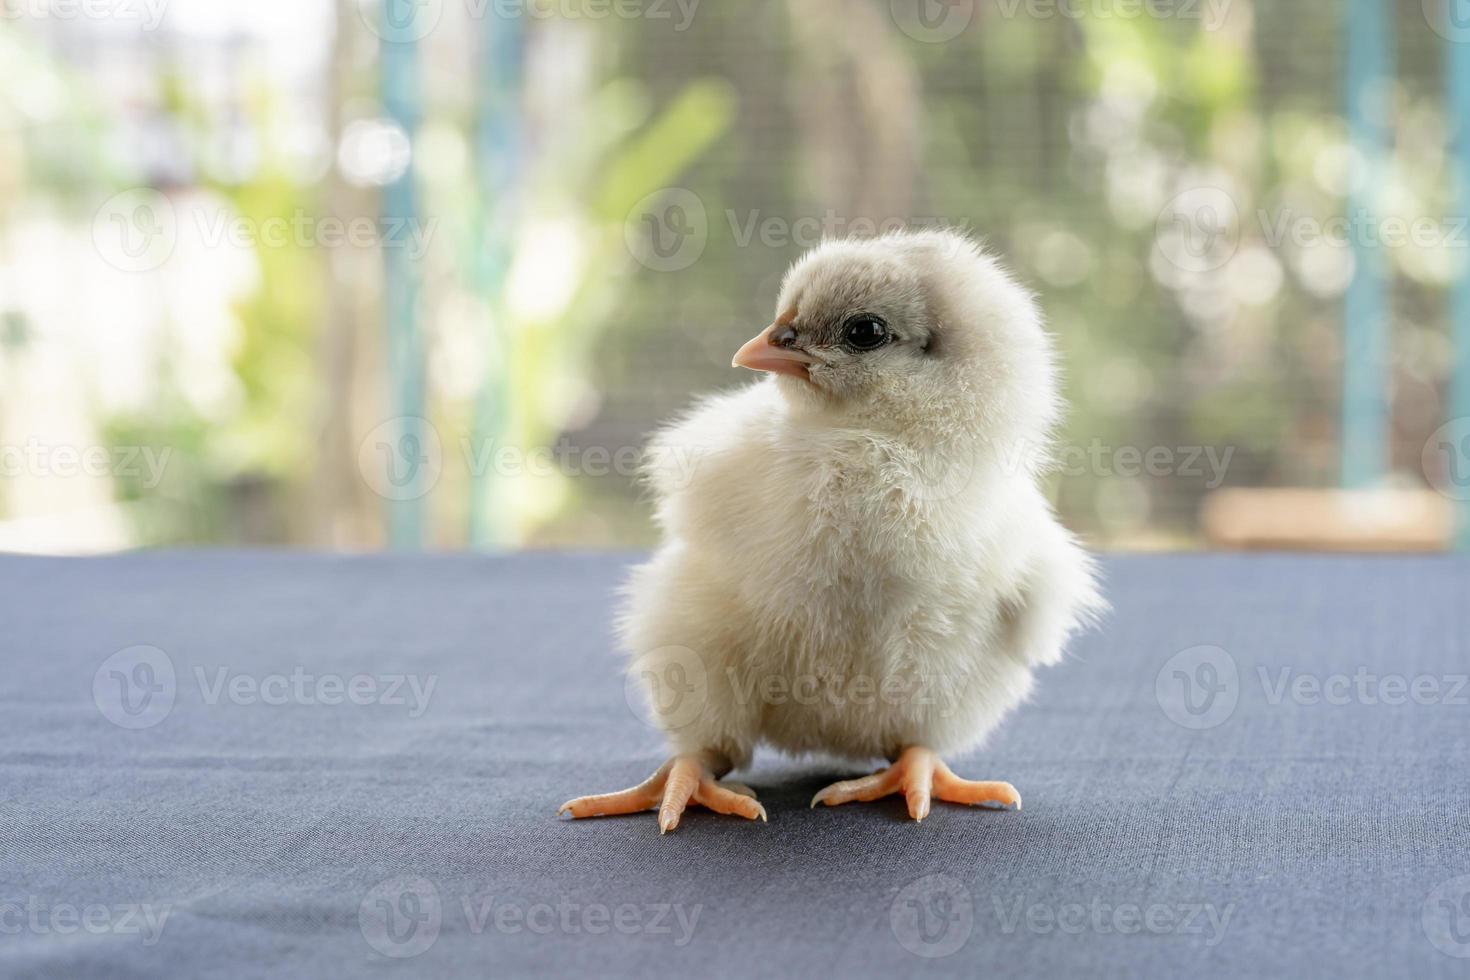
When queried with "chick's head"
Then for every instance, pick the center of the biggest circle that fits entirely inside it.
(920, 333)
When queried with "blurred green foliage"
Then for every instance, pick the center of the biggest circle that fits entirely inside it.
(1061, 140)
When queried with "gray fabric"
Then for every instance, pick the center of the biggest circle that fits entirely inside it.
(1333, 836)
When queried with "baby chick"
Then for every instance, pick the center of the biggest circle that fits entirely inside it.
(860, 561)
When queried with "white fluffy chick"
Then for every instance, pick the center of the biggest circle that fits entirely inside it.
(857, 558)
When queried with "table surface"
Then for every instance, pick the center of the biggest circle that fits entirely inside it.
(224, 765)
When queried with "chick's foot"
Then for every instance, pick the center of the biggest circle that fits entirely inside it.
(682, 779)
(921, 776)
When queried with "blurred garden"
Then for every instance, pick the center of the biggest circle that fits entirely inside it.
(425, 274)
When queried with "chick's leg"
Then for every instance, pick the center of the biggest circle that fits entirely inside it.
(677, 782)
(921, 776)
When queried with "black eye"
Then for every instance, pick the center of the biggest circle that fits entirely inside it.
(865, 332)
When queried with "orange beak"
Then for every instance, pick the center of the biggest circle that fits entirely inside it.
(764, 352)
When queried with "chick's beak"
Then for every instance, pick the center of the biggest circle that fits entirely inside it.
(774, 349)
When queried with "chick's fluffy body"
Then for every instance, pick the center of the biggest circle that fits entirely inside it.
(864, 561)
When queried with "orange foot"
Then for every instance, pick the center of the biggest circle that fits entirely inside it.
(920, 774)
(681, 779)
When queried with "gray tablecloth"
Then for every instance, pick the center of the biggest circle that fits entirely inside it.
(222, 765)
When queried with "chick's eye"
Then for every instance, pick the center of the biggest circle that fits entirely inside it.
(865, 332)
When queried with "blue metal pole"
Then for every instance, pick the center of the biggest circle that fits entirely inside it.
(1457, 61)
(399, 93)
(1368, 72)
(498, 132)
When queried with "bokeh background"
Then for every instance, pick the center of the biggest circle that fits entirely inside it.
(425, 273)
